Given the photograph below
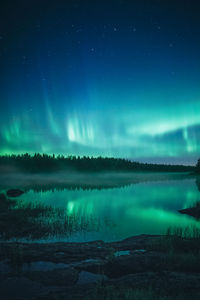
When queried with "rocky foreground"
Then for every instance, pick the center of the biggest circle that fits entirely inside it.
(77, 270)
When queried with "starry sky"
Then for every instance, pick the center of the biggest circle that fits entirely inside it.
(114, 78)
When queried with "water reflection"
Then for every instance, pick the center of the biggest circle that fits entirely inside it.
(198, 182)
(108, 214)
(61, 181)
(34, 220)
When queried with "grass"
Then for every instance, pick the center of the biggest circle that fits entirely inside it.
(186, 240)
(179, 240)
(189, 232)
(181, 247)
(111, 293)
(33, 221)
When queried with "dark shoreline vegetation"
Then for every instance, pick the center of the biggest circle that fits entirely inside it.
(50, 163)
(48, 172)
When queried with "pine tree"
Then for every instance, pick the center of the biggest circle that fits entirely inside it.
(198, 166)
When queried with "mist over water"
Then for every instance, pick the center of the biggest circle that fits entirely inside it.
(84, 180)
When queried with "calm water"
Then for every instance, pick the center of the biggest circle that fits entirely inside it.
(117, 213)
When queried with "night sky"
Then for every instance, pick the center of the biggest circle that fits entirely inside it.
(110, 77)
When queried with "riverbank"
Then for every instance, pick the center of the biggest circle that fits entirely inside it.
(163, 264)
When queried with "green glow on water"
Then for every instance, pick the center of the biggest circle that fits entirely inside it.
(70, 207)
(148, 208)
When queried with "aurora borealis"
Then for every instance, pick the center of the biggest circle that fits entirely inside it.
(112, 78)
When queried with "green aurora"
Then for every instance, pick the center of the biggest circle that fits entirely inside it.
(123, 84)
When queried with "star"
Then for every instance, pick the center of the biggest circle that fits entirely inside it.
(133, 28)
(79, 30)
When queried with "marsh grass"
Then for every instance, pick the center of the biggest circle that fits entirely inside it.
(31, 221)
(113, 293)
(185, 239)
(181, 247)
(178, 240)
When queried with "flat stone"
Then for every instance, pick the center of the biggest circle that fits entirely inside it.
(88, 277)
(20, 287)
(122, 252)
(58, 277)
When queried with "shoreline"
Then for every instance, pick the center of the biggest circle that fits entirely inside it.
(75, 270)
(67, 180)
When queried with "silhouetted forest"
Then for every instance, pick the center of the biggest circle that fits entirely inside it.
(51, 163)
(198, 166)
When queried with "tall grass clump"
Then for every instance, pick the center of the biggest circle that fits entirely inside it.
(113, 293)
(178, 240)
(184, 239)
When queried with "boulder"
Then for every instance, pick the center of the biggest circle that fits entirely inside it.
(14, 193)
(135, 263)
(58, 277)
(191, 211)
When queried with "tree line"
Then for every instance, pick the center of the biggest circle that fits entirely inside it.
(198, 166)
(49, 163)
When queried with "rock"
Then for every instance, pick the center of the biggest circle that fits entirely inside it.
(118, 265)
(14, 193)
(122, 252)
(172, 282)
(59, 252)
(138, 280)
(138, 242)
(92, 265)
(88, 277)
(191, 211)
(135, 263)
(21, 288)
(57, 277)
(169, 281)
